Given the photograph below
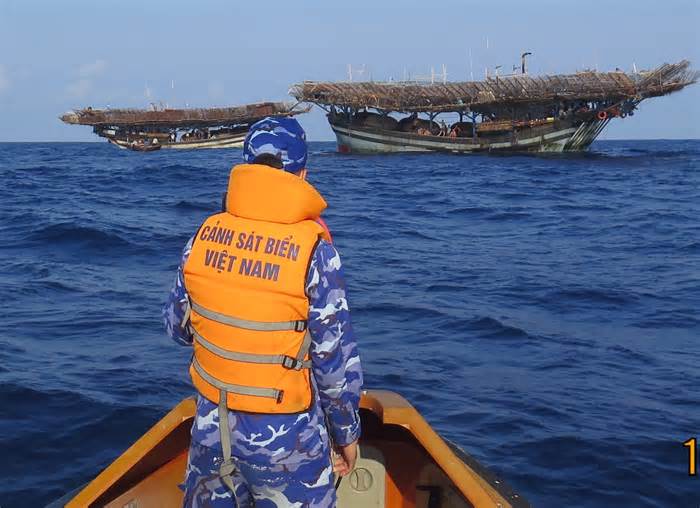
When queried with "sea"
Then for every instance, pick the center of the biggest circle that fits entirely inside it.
(542, 312)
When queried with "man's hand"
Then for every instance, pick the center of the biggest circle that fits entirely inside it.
(344, 459)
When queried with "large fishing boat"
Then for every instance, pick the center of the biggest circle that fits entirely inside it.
(149, 130)
(554, 113)
(403, 463)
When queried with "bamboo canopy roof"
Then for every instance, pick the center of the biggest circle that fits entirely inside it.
(516, 89)
(186, 118)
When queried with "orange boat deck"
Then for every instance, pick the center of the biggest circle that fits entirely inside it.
(403, 463)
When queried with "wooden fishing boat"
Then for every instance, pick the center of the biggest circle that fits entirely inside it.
(180, 129)
(403, 463)
(514, 113)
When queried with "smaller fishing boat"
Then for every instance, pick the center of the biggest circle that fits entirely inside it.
(403, 463)
(182, 129)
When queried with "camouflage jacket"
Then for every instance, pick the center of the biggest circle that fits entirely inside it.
(336, 368)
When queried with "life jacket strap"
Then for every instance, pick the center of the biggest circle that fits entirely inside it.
(293, 364)
(227, 467)
(285, 361)
(254, 391)
(260, 326)
(304, 351)
(186, 316)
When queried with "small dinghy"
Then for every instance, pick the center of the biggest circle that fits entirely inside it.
(403, 463)
(144, 147)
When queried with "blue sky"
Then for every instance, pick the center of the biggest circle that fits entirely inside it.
(61, 55)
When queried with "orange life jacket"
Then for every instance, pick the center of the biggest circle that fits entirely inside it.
(246, 279)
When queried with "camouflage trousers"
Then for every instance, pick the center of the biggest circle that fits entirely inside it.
(309, 484)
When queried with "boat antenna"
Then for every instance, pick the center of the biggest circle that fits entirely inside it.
(471, 65)
(523, 67)
(486, 69)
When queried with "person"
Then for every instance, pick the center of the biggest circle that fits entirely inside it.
(260, 294)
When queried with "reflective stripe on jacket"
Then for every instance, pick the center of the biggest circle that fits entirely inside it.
(246, 279)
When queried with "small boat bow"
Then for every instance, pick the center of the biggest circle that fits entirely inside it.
(402, 462)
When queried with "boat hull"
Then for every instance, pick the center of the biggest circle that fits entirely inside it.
(560, 137)
(234, 141)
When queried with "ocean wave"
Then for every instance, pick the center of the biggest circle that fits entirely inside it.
(588, 473)
(591, 207)
(68, 233)
(676, 318)
(591, 295)
(692, 247)
(469, 210)
(195, 206)
(507, 216)
(25, 399)
(39, 168)
(10, 348)
(630, 354)
(445, 287)
(167, 170)
(417, 235)
(399, 310)
(663, 153)
(59, 286)
(492, 328)
(40, 435)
